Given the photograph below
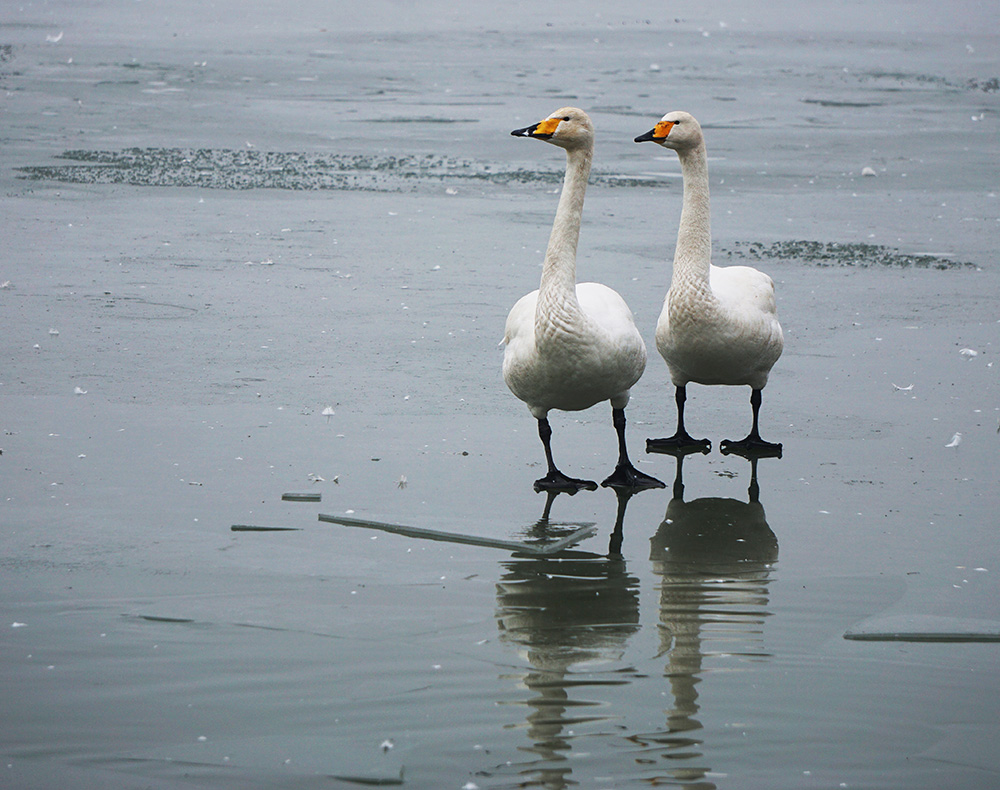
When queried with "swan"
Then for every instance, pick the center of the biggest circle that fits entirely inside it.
(719, 325)
(569, 346)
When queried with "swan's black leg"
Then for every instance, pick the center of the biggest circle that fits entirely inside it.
(681, 443)
(752, 445)
(626, 476)
(677, 492)
(618, 534)
(555, 480)
(753, 490)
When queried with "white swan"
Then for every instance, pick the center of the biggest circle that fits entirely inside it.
(718, 325)
(571, 346)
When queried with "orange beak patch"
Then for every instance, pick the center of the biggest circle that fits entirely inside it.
(662, 129)
(547, 127)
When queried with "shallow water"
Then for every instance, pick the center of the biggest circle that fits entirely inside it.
(219, 221)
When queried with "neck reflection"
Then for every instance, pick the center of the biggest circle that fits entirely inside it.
(570, 618)
(714, 557)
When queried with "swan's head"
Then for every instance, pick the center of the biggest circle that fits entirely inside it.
(677, 130)
(567, 127)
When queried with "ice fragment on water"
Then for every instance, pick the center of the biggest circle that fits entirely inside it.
(401, 482)
(955, 440)
(969, 352)
(55, 39)
(79, 391)
(386, 745)
(18, 625)
(53, 331)
(868, 171)
(903, 389)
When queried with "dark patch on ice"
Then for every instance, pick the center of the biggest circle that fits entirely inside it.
(6, 56)
(419, 119)
(211, 168)
(848, 104)
(987, 86)
(836, 253)
(906, 79)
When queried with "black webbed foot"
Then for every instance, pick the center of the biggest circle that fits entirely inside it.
(627, 478)
(750, 447)
(557, 481)
(679, 445)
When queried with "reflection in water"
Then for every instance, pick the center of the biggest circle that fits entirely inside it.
(571, 618)
(577, 611)
(715, 557)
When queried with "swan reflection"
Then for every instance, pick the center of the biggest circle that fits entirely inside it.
(714, 557)
(570, 619)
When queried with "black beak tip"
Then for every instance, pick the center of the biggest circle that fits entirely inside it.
(645, 138)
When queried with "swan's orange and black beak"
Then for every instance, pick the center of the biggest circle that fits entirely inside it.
(657, 134)
(543, 130)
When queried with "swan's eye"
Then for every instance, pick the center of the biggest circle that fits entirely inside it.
(565, 117)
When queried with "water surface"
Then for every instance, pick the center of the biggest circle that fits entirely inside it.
(221, 221)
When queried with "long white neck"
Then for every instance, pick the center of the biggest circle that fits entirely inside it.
(557, 300)
(693, 254)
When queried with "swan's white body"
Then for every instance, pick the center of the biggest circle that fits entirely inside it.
(571, 349)
(719, 325)
(570, 346)
(727, 333)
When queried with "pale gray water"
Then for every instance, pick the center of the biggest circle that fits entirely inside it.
(217, 221)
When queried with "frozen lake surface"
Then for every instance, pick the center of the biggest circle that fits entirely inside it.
(220, 222)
